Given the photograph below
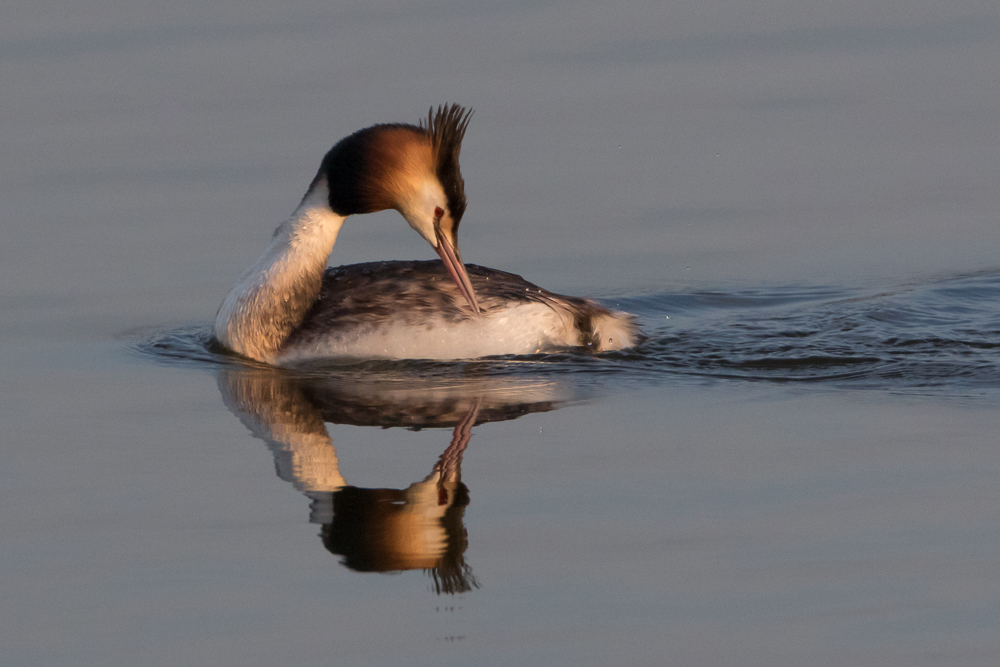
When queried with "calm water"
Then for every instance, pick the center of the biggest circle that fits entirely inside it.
(799, 465)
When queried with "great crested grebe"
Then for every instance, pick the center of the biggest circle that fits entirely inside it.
(289, 307)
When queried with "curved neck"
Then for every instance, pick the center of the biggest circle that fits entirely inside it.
(271, 299)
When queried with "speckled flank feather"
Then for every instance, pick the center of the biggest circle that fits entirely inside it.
(414, 310)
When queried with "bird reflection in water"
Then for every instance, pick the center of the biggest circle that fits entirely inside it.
(380, 530)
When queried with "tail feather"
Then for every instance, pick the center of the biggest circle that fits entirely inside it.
(616, 330)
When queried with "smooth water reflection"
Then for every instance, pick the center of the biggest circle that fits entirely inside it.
(380, 529)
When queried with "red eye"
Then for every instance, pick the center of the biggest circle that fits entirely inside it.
(438, 212)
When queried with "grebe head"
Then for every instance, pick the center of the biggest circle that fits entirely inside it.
(412, 169)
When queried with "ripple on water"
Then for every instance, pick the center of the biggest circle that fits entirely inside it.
(938, 335)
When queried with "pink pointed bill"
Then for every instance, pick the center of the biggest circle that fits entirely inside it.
(453, 261)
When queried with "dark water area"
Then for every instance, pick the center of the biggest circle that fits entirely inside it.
(939, 336)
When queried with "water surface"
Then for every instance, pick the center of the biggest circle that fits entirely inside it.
(798, 465)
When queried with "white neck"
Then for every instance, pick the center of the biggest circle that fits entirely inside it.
(271, 298)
